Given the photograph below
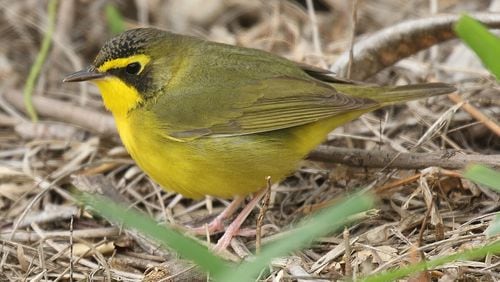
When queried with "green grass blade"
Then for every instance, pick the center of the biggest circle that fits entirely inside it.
(219, 269)
(484, 43)
(40, 59)
(491, 178)
(475, 253)
(320, 224)
(115, 20)
(484, 175)
(494, 228)
(184, 246)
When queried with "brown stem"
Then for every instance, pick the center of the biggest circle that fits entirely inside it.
(380, 159)
(477, 114)
(389, 45)
(65, 112)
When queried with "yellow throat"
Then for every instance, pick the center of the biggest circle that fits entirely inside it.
(118, 97)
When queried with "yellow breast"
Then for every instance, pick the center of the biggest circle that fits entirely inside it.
(221, 167)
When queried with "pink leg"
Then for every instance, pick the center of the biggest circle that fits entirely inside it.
(216, 224)
(234, 227)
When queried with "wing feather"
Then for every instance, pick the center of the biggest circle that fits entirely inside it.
(279, 103)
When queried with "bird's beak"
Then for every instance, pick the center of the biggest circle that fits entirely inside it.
(84, 75)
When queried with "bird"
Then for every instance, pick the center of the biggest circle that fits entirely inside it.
(205, 118)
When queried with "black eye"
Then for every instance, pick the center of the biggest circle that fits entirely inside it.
(133, 68)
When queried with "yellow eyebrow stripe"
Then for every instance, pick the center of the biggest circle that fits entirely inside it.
(123, 62)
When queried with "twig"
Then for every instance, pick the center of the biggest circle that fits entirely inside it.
(41, 259)
(25, 236)
(442, 122)
(71, 247)
(40, 59)
(66, 112)
(315, 31)
(130, 261)
(398, 183)
(50, 213)
(394, 43)
(353, 36)
(424, 224)
(379, 159)
(347, 253)
(262, 213)
(327, 258)
(475, 113)
(184, 275)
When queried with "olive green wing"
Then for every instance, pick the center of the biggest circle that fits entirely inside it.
(260, 106)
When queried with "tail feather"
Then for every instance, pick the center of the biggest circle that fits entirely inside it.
(412, 92)
(387, 95)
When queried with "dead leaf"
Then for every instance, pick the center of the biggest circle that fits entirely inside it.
(81, 249)
(378, 234)
(416, 257)
(21, 258)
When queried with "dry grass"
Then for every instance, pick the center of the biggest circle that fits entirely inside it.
(432, 214)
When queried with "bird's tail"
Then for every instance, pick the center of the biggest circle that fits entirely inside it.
(387, 95)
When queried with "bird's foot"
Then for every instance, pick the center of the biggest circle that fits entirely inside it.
(217, 224)
(234, 228)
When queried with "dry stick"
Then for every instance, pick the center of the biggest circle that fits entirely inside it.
(379, 159)
(262, 213)
(475, 113)
(347, 253)
(133, 261)
(353, 36)
(66, 112)
(41, 259)
(386, 47)
(71, 247)
(315, 31)
(25, 236)
(424, 224)
(398, 183)
(57, 213)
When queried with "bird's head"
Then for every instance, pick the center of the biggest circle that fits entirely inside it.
(129, 69)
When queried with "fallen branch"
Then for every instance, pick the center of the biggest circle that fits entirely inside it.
(27, 236)
(380, 159)
(477, 114)
(65, 112)
(389, 45)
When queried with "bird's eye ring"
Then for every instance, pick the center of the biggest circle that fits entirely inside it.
(133, 68)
